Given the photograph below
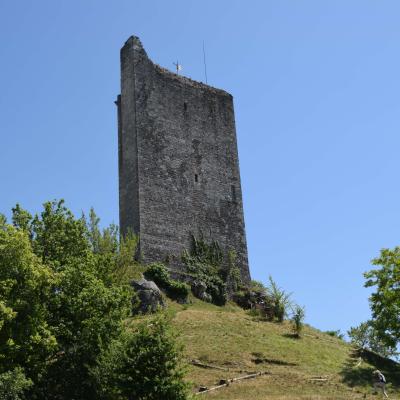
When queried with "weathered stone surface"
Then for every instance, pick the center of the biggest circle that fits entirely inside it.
(149, 294)
(199, 289)
(178, 161)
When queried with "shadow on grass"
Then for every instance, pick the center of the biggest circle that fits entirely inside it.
(260, 359)
(356, 373)
(292, 336)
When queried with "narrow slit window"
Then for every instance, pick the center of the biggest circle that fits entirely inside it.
(185, 106)
(196, 178)
(233, 190)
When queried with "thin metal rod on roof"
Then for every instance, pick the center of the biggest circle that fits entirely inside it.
(177, 66)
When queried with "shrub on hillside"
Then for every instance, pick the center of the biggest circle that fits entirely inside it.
(280, 300)
(174, 289)
(178, 290)
(298, 319)
(336, 334)
(146, 364)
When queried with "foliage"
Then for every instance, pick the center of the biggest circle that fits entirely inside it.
(365, 336)
(204, 262)
(26, 285)
(64, 296)
(336, 334)
(115, 255)
(143, 365)
(21, 218)
(280, 300)
(86, 316)
(258, 287)
(234, 277)
(3, 221)
(13, 384)
(159, 274)
(298, 319)
(57, 237)
(385, 301)
(206, 253)
(178, 290)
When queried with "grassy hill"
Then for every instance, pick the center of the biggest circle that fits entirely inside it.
(316, 366)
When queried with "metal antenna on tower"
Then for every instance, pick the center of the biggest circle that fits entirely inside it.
(205, 65)
(177, 66)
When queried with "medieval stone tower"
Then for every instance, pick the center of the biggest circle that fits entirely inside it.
(178, 161)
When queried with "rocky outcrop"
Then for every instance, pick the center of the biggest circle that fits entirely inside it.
(150, 296)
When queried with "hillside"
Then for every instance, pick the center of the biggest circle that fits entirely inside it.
(317, 366)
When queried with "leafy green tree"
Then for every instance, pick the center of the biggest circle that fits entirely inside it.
(26, 338)
(385, 301)
(365, 336)
(13, 384)
(64, 297)
(21, 218)
(58, 236)
(115, 254)
(86, 316)
(146, 364)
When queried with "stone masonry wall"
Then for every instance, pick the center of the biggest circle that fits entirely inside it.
(178, 161)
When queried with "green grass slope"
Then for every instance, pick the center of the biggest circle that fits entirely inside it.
(316, 366)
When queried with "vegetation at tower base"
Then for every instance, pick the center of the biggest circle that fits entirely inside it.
(176, 290)
(65, 296)
(204, 261)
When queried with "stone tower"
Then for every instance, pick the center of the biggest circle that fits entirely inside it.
(178, 161)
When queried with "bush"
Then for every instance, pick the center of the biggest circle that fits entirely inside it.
(146, 364)
(255, 293)
(298, 319)
(280, 300)
(159, 274)
(336, 334)
(178, 290)
(175, 290)
(258, 288)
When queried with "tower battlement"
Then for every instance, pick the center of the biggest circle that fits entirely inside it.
(178, 161)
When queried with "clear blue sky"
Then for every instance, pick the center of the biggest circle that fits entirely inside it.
(316, 87)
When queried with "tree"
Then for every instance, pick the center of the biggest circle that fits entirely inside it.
(365, 336)
(86, 316)
(26, 338)
(385, 301)
(146, 364)
(58, 236)
(64, 300)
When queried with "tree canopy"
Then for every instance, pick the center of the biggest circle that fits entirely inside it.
(65, 295)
